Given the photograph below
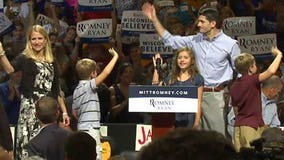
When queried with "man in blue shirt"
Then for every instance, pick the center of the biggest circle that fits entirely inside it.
(214, 53)
(270, 90)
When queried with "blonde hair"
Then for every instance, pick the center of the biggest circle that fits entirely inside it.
(85, 67)
(243, 63)
(30, 53)
(192, 70)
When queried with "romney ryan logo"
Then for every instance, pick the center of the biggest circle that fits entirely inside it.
(162, 105)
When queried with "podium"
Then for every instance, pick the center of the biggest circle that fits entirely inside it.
(127, 136)
(163, 102)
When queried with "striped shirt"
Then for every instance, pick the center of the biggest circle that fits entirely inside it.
(86, 104)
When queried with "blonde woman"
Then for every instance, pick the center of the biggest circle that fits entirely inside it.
(40, 78)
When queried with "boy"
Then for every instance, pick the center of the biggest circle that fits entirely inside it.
(49, 142)
(245, 95)
(85, 105)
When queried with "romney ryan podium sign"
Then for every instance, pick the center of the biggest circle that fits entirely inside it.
(163, 99)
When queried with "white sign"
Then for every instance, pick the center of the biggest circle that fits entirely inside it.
(143, 136)
(104, 131)
(48, 23)
(165, 3)
(94, 5)
(151, 44)
(163, 99)
(239, 26)
(95, 28)
(136, 21)
(257, 44)
(57, 1)
(94, 2)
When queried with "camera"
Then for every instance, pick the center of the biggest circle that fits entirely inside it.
(15, 11)
(258, 152)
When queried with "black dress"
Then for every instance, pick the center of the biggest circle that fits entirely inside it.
(39, 79)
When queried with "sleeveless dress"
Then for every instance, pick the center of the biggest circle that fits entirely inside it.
(28, 124)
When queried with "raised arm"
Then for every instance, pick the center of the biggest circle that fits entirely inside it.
(150, 11)
(107, 70)
(273, 66)
(52, 14)
(8, 68)
(156, 78)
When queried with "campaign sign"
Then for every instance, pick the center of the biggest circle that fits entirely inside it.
(166, 3)
(58, 2)
(257, 44)
(94, 5)
(151, 44)
(239, 26)
(20, 1)
(94, 30)
(163, 99)
(143, 135)
(136, 21)
(48, 23)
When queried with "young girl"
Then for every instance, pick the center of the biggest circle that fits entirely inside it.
(183, 73)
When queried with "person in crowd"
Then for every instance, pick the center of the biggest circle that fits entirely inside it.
(139, 64)
(104, 98)
(49, 142)
(270, 89)
(185, 143)
(39, 78)
(213, 49)
(245, 95)
(6, 141)
(22, 22)
(119, 92)
(86, 105)
(10, 93)
(69, 45)
(17, 40)
(245, 7)
(184, 73)
(19, 11)
(80, 145)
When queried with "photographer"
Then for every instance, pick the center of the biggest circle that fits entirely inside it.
(269, 147)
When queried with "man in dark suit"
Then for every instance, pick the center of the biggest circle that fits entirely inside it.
(49, 142)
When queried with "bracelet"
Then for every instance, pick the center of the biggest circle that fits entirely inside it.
(65, 114)
(2, 53)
